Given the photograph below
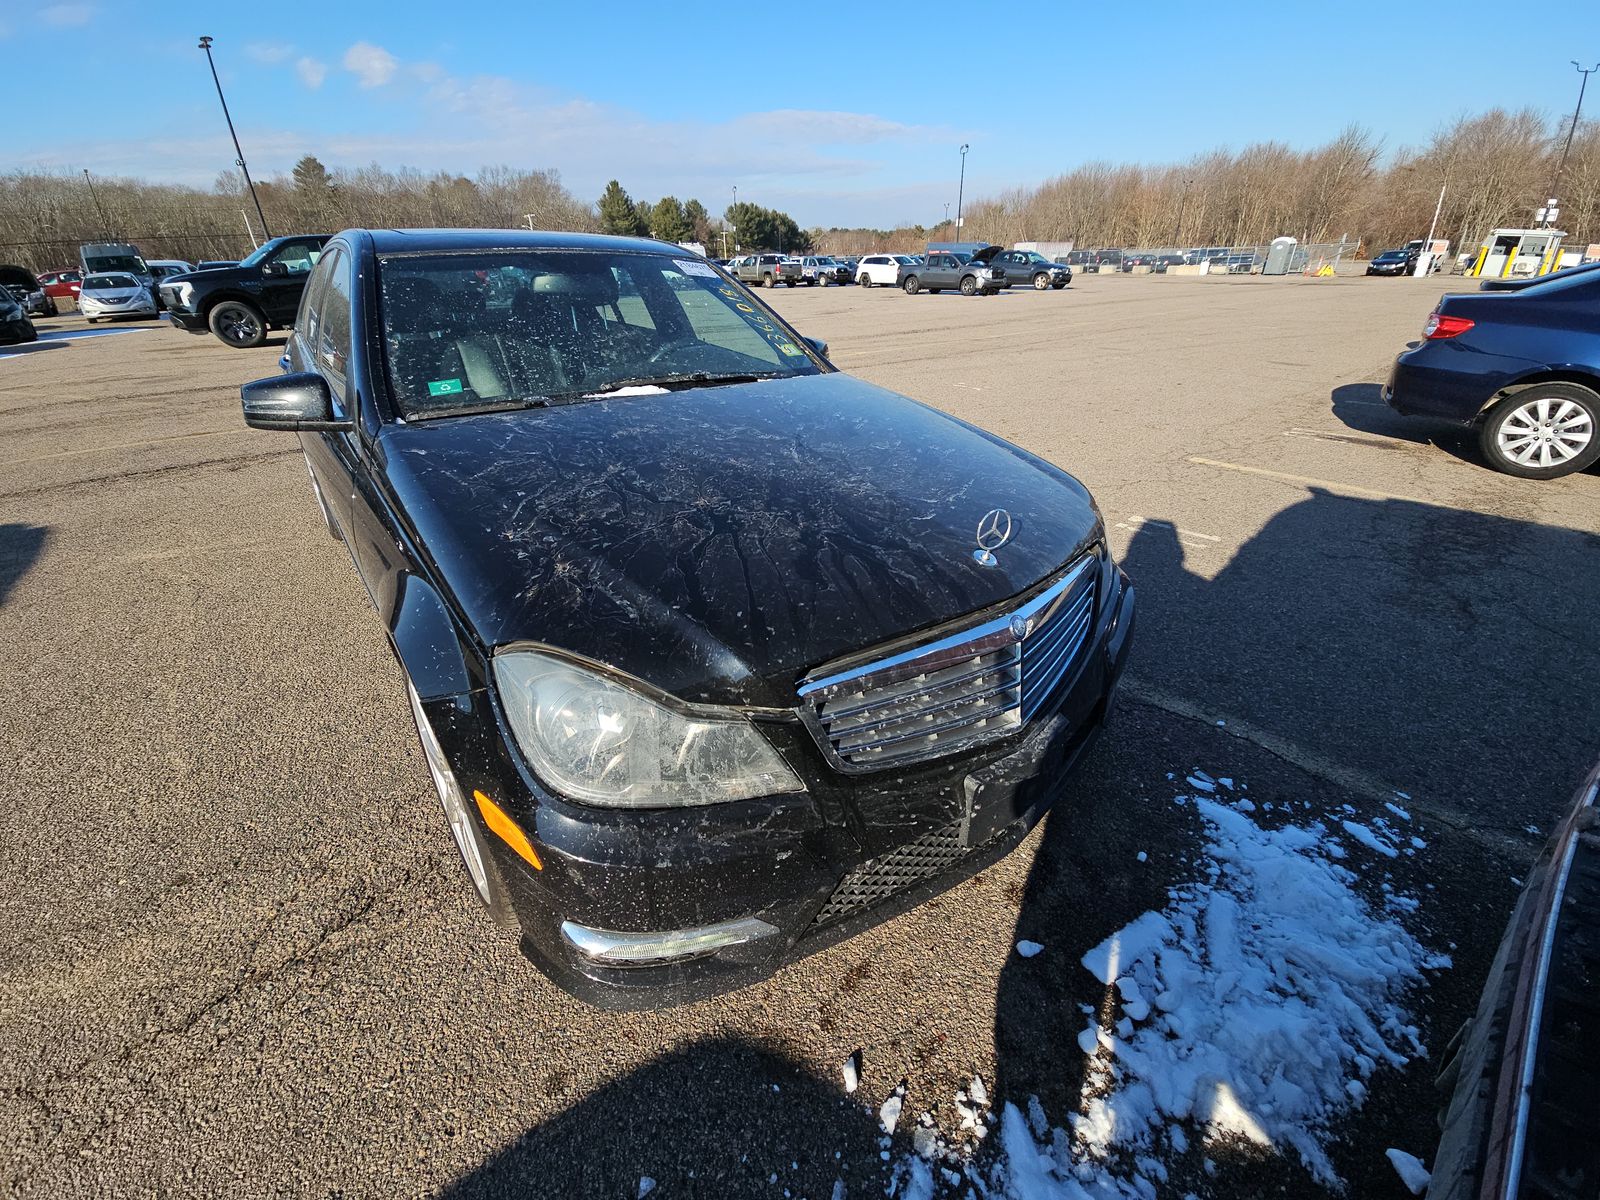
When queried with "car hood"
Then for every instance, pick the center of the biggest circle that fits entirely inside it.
(720, 542)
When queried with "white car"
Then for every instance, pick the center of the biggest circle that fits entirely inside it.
(881, 269)
(115, 294)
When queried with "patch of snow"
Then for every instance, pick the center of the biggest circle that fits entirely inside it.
(889, 1112)
(1203, 785)
(1142, 856)
(979, 1093)
(1277, 991)
(852, 1072)
(1534, 829)
(1369, 839)
(646, 1186)
(1028, 949)
(1397, 810)
(839, 1192)
(1410, 1169)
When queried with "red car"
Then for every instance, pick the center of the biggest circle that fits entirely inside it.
(62, 285)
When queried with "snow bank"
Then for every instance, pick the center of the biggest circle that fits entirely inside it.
(1254, 1005)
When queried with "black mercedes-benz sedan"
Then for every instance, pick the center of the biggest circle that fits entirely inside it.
(716, 654)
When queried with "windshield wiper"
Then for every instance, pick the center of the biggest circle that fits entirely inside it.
(468, 410)
(675, 382)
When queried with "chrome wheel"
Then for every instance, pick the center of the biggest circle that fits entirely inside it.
(450, 798)
(1547, 432)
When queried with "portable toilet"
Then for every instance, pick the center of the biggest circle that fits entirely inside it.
(1513, 252)
(1280, 256)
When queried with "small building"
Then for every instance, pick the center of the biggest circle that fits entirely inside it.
(1517, 252)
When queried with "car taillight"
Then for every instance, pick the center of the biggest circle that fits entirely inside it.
(1440, 326)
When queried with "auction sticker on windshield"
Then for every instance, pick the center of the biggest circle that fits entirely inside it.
(444, 387)
(694, 268)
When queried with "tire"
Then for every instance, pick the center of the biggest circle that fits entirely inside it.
(1041, 281)
(51, 310)
(789, 282)
(238, 324)
(934, 291)
(912, 285)
(1058, 286)
(969, 286)
(91, 320)
(465, 826)
(866, 281)
(767, 281)
(1543, 432)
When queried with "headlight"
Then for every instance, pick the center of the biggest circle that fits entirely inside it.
(601, 742)
(183, 291)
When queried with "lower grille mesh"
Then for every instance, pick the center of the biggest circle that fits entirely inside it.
(873, 882)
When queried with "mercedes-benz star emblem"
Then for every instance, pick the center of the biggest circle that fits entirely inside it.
(994, 531)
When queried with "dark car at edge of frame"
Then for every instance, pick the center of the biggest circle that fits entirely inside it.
(717, 654)
(1520, 369)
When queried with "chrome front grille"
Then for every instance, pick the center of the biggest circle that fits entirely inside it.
(963, 690)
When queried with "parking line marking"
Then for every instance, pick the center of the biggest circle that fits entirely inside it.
(1351, 779)
(1188, 537)
(177, 437)
(1307, 480)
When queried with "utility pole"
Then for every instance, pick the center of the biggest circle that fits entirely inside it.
(961, 189)
(205, 44)
(1425, 259)
(1561, 166)
(105, 225)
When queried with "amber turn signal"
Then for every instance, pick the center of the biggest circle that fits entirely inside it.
(506, 829)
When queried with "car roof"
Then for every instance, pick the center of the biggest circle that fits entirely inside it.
(404, 241)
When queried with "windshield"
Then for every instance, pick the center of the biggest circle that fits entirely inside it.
(117, 262)
(512, 328)
(106, 283)
(1391, 255)
(903, 260)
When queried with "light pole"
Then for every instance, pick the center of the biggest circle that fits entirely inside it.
(1571, 129)
(105, 225)
(960, 189)
(1425, 259)
(205, 44)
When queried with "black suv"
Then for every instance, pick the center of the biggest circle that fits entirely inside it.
(239, 304)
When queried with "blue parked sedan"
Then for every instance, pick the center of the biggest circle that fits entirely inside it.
(1521, 367)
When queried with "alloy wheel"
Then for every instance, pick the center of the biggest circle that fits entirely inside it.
(1547, 432)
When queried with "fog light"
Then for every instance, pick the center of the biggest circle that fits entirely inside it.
(632, 949)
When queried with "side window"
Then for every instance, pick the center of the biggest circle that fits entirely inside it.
(297, 257)
(305, 321)
(333, 338)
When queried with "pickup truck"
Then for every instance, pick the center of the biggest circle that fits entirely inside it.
(239, 304)
(768, 270)
(954, 269)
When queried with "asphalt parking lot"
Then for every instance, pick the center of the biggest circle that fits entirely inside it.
(238, 953)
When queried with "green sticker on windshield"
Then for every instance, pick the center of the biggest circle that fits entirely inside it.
(444, 387)
(790, 349)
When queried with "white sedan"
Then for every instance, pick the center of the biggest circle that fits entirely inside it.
(115, 294)
(883, 270)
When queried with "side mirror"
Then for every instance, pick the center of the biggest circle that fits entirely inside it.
(275, 268)
(817, 344)
(291, 402)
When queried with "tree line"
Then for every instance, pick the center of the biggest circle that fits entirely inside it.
(1496, 167)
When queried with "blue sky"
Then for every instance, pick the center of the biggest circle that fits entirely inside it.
(839, 113)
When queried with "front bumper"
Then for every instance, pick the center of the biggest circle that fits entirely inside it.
(189, 322)
(18, 330)
(816, 867)
(94, 308)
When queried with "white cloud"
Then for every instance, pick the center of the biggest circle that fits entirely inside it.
(311, 72)
(372, 65)
(268, 52)
(65, 16)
